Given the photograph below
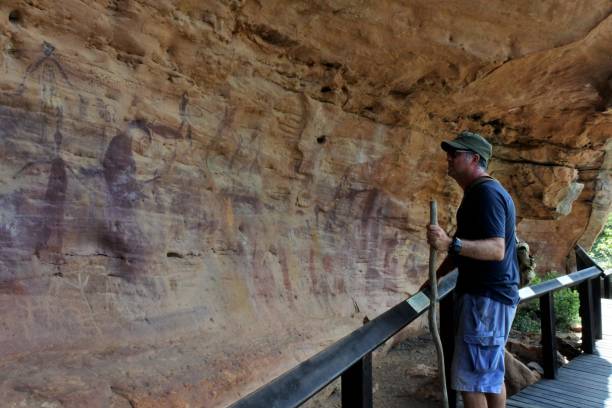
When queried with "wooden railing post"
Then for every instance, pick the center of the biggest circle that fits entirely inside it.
(586, 316)
(597, 293)
(549, 339)
(447, 335)
(356, 384)
(583, 261)
(306, 379)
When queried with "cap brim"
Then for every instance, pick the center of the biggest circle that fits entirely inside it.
(449, 146)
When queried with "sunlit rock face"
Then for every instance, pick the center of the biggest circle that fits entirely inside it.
(195, 196)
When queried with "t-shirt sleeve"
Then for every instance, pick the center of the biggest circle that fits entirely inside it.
(491, 214)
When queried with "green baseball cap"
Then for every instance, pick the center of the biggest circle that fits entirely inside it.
(469, 141)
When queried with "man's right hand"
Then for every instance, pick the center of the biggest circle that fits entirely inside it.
(437, 237)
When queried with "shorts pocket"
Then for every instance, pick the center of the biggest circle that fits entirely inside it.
(484, 351)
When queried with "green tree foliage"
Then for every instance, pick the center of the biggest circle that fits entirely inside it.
(566, 301)
(602, 248)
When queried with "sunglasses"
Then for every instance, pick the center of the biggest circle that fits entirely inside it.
(454, 153)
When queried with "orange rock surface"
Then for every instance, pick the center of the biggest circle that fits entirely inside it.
(197, 195)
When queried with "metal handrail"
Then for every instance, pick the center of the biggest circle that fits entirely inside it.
(300, 383)
(565, 281)
(306, 379)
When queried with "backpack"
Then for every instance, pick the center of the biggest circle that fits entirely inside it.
(526, 261)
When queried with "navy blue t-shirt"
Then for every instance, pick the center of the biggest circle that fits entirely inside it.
(487, 211)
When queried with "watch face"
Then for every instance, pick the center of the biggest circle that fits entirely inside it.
(456, 246)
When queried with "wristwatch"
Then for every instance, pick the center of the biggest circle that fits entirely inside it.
(455, 246)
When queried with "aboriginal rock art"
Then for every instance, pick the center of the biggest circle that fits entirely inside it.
(246, 156)
(105, 111)
(296, 123)
(39, 228)
(83, 107)
(40, 224)
(134, 161)
(50, 66)
(215, 144)
(371, 247)
(47, 228)
(123, 234)
(48, 71)
(185, 126)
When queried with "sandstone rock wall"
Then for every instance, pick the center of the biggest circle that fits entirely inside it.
(195, 196)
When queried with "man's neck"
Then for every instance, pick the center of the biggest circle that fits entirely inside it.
(465, 183)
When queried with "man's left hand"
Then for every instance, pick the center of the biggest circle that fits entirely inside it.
(438, 238)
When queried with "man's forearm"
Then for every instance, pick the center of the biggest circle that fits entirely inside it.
(491, 249)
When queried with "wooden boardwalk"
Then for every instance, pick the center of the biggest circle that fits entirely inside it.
(585, 382)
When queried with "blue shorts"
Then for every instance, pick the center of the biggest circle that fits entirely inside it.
(483, 328)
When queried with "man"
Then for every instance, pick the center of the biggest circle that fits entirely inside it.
(484, 251)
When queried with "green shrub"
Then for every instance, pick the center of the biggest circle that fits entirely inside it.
(526, 319)
(601, 250)
(567, 304)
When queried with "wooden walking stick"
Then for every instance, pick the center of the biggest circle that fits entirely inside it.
(433, 298)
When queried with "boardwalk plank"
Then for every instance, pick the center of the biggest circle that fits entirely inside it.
(530, 402)
(583, 382)
(602, 354)
(573, 387)
(574, 400)
(556, 398)
(574, 395)
(600, 365)
(579, 377)
(592, 375)
(595, 361)
(594, 358)
(586, 382)
(589, 369)
(518, 404)
(603, 351)
(607, 343)
(539, 400)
